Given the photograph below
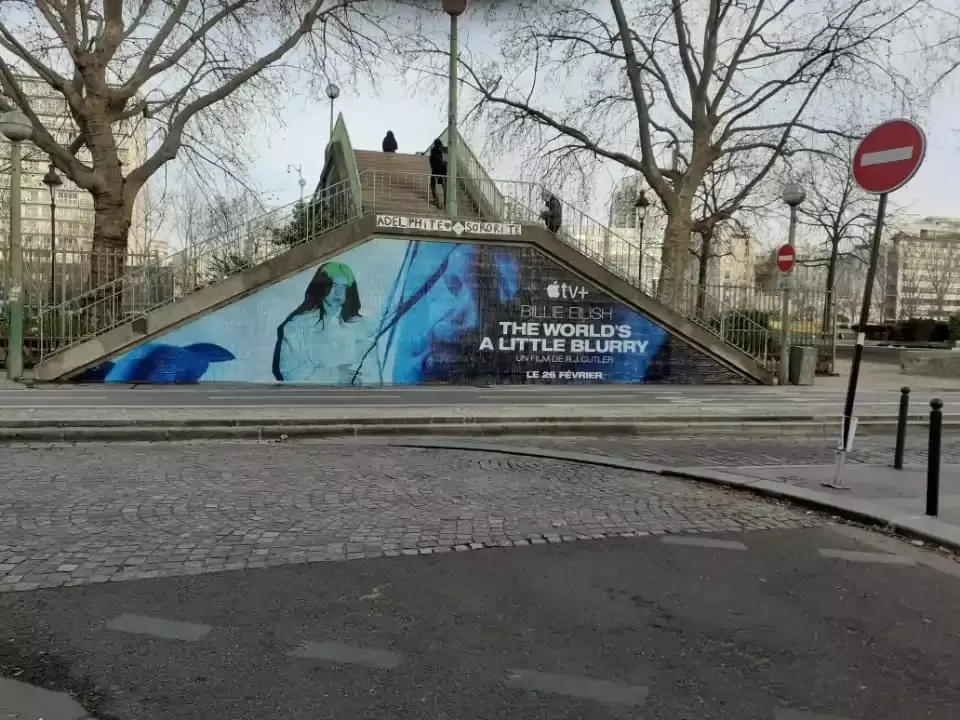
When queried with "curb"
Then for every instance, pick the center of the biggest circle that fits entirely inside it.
(190, 430)
(917, 527)
(172, 430)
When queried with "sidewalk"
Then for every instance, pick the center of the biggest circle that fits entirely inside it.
(901, 491)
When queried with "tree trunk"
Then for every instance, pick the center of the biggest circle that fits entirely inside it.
(676, 251)
(706, 243)
(111, 226)
(829, 315)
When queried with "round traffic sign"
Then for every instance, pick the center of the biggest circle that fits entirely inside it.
(786, 257)
(889, 156)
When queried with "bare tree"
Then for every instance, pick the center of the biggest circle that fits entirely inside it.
(220, 234)
(719, 213)
(714, 79)
(196, 72)
(838, 213)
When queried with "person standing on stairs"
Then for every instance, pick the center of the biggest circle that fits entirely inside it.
(438, 171)
(553, 215)
(389, 144)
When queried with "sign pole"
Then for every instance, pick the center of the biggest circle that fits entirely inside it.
(785, 330)
(858, 350)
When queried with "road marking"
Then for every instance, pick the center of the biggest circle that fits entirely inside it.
(702, 542)
(610, 693)
(158, 627)
(882, 157)
(780, 714)
(348, 655)
(866, 557)
(923, 555)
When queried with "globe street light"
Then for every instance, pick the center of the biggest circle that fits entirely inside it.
(453, 8)
(16, 127)
(52, 181)
(640, 206)
(333, 92)
(793, 195)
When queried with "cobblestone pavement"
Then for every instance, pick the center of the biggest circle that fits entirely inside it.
(736, 452)
(73, 515)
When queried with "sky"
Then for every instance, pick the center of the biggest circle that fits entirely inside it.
(418, 117)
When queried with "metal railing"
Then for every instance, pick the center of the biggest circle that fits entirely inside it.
(409, 194)
(141, 289)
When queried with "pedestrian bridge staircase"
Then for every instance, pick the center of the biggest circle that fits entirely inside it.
(355, 187)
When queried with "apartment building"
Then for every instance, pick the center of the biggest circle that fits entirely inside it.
(924, 269)
(74, 205)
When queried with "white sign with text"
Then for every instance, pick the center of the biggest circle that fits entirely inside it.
(457, 227)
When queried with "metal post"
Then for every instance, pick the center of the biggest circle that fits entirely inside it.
(15, 290)
(785, 321)
(901, 428)
(450, 187)
(864, 319)
(785, 331)
(933, 457)
(53, 247)
(331, 119)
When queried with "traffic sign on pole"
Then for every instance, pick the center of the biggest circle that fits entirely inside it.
(885, 160)
(786, 257)
(889, 156)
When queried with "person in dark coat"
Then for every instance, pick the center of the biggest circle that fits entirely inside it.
(390, 143)
(438, 170)
(553, 215)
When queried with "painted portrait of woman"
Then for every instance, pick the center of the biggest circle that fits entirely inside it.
(325, 339)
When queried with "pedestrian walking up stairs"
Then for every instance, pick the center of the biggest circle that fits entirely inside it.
(358, 189)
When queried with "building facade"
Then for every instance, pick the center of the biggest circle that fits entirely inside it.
(74, 205)
(925, 267)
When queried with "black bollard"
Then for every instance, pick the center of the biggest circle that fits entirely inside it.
(901, 428)
(933, 457)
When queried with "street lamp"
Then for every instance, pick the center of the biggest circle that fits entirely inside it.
(453, 8)
(640, 207)
(52, 181)
(16, 127)
(333, 92)
(793, 195)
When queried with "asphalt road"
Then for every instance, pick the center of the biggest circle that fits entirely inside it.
(763, 625)
(246, 396)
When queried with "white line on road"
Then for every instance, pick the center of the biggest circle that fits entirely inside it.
(881, 157)
(348, 655)
(702, 542)
(158, 627)
(341, 396)
(866, 557)
(604, 691)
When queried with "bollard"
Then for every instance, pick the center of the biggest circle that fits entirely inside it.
(901, 428)
(933, 458)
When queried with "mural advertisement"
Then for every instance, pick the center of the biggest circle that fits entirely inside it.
(405, 312)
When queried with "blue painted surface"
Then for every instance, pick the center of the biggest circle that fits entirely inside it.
(406, 312)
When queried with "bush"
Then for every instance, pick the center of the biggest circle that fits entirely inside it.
(748, 330)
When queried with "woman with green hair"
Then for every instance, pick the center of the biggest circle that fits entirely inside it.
(324, 339)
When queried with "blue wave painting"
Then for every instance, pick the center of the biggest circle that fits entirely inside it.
(160, 363)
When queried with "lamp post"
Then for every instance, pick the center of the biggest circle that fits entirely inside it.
(640, 207)
(301, 181)
(453, 8)
(16, 127)
(793, 195)
(52, 180)
(333, 92)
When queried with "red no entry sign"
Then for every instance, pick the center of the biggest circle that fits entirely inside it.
(786, 257)
(889, 156)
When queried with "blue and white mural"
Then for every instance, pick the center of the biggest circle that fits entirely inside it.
(401, 312)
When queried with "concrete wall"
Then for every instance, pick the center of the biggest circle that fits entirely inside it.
(399, 311)
(931, 363)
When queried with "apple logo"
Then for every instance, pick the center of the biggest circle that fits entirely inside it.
(553, 290)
